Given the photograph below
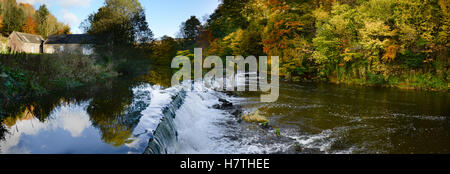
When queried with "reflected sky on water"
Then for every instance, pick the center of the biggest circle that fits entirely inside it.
(67, 131)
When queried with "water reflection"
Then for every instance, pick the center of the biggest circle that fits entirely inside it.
(98, 118)
(108, 111)
(94, 119)
(65, 119)
(160, 75)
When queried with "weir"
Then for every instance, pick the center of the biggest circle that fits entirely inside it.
(165, 135)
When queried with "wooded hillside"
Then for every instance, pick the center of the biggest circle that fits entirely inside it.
(24, 18)
(401, 43)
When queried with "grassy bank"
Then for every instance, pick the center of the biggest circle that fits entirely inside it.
(420, 81)
(405, 78)
(26, 75)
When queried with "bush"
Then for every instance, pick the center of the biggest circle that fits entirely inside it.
(53, 71)
(413, 60)
(375, 79)
(428, 81)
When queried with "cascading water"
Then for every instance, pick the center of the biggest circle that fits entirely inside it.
(165, 135)
(188, 123)
(312, 118)
(157, 120)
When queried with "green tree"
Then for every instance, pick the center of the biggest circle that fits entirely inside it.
(335, 39)
(42, 18)
(13, 17)
(285, 35)
(165, 50)
(228, 17)
(119, 24)
(190, 32)
(351, 41)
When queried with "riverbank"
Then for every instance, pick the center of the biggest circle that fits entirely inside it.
(413, 81)
(27, 76)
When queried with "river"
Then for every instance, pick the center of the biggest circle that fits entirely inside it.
(119, 116)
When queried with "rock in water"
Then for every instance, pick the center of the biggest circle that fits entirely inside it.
(224, 105)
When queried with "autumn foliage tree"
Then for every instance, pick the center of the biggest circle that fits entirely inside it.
(381, 42)
(23, 17)
(30, 26)
(64, 30)
(13, 17)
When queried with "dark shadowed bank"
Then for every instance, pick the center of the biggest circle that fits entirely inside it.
(27, 77)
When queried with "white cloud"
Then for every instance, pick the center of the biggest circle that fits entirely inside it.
(30, 1)
(66, 6)
(74, 3)
(71, 118)
(34, 2)
(71, 19)
(63, 3)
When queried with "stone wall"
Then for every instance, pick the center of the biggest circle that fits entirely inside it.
(84, 49)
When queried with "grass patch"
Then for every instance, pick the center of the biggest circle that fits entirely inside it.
(410, 81)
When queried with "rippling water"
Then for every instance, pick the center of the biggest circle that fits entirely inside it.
(346, 119)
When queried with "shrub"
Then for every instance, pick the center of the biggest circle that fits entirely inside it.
(413, 60)
(375, 79)
(53, 71)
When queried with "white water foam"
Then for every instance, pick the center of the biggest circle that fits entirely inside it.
(202, 129)
(151, 116)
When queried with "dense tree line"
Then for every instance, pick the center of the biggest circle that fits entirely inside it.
(401, 43)
(23, 17)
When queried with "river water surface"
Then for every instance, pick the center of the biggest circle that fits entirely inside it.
(120, 116)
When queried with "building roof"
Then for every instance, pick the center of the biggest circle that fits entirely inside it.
(28, 38)
(70, 39)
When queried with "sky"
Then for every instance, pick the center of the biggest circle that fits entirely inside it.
(164, 16)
